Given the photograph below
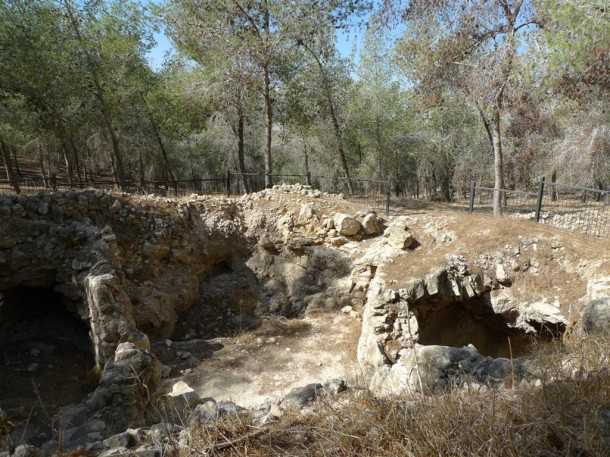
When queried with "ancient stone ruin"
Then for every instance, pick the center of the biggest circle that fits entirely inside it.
(124, 318)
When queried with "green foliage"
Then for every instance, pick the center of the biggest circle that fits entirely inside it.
(577, 33)
(428, 104)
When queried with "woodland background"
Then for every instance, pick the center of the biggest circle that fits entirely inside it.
(439, 92)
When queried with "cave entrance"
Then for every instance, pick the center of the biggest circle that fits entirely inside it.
(46, 359)
(474, 322)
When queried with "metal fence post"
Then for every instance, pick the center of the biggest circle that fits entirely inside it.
(473, 188)
(228, 183)
(540, 198)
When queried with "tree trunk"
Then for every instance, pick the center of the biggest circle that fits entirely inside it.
(307, 172)
(495, 141)
(76, 159)
(445, 187)
(141, 169)
(241, 160)
(119, 173)
(268, 101)
(6, 158)
(16, 161)
(554, 185)
(43, 173)
(339, 140)
(68, 163)
(118, 169)
(160, 142)
(333, 114)
(269, 110)
(498, 165)
(337, 129)
(379, 140)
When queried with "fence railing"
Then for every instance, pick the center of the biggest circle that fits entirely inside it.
(578, 209)
(176, 188)
(374, 193)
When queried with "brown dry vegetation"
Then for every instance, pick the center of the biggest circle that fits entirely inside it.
(568, 415)
(480, 234)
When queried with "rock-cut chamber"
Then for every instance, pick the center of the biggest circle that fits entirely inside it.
(46, 358)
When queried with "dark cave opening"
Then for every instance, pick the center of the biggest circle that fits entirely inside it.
(473, 322)
(46, 359)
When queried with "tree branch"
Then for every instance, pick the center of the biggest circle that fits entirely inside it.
(248, 17)
(530, 22)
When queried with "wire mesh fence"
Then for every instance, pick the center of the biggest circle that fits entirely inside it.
(577, 209)
(513, 201)
(176, 188)
(373, 193)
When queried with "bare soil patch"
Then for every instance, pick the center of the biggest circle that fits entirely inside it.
(277, 356)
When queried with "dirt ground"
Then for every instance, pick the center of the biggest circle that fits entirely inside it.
(275, 357)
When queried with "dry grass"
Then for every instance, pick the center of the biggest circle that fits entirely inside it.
(557, 270)
(564, 416)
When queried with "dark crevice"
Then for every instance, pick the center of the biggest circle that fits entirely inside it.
(46, 358)
(459, 323)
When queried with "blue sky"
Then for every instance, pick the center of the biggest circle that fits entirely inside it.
(157, 54)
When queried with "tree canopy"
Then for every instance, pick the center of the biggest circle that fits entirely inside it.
(434, 94)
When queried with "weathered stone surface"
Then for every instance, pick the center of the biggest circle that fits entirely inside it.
(335, 386)
(596, 316)
(300, 396)
(127, 439)
(131, 268)
(120, 400)
(430, 368)
(398, 236)
(346, 225)
(307, 213)
(95, 248)
(371, 225)
(147, 450)
(205, 412)
(181, 400)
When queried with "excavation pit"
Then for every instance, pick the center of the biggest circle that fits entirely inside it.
(46, 360)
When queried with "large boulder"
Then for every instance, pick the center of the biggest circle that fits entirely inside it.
(431, 368)
(399, 236)
(346, 225)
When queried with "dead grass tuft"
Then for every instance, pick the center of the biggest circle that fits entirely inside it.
(568, 414)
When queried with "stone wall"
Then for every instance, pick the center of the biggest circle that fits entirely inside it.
(122, 263)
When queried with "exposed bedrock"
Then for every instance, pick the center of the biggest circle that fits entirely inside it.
(130, 270)
(123, 267)
(459, 322)
(119, 274)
